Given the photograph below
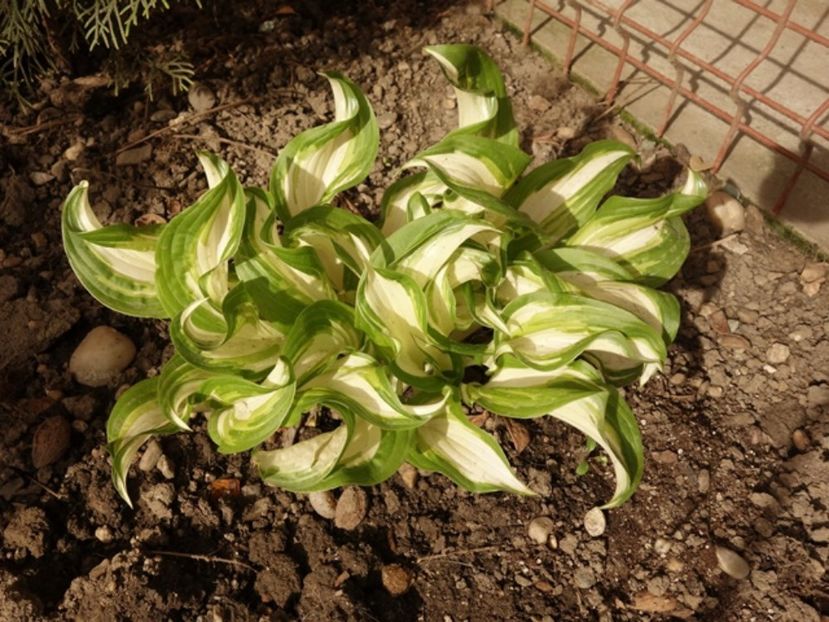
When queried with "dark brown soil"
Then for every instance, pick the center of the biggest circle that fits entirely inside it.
(722, 469)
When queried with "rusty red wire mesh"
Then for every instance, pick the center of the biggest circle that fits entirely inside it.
(745, 98)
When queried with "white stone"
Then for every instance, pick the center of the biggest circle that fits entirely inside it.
(101, 356)
(594, 522)
(539, 529)
(725, 213)
(323, 503)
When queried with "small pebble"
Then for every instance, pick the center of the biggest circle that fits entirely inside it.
(386, 120)
(134, 156)
(565, 133)
(732, 564)
(40, 178)
(594, 522)
(725, 213)
(778, 353)
(801, 440)
(73, 152)
(662, 546)
(540, 528)
(101, 356)
(165, 467)
(814, 272)
(408, 474)
(323, 503)
(103, 534)
(396, 579)
(703, 481)
(162, 116)
(150, 456)
(351, 508)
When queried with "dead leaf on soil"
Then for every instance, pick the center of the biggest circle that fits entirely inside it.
(51, 440)
(479, 420)
(224, 488)
(518, 435)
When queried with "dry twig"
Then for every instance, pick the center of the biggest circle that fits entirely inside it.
(203, 558)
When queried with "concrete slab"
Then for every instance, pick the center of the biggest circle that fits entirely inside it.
(796, 74)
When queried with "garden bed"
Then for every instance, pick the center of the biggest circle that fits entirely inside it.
(735, 430)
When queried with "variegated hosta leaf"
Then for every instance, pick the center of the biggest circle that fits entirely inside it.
(474, 162)
(562, 195)
(409, 198)
(355, 453)
(574, 395)
(233, 338)
(245, 413)
(322, 332)
(302, 466)
(262, 257)
(451, 445)
(483, 106)
(178, 387)
(343, 241)
(464, 266)
(421, 248)
(588, 274)
(194, 248)
(115, 264)
(325, 160)
(371, 456)
(526, 275)
(360, 385)
(547, 330)
(392, 310)
(136, 417)
(645, 236)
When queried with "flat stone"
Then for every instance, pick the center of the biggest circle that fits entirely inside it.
(778, 353)
(134, 156)
(351, 508)
(814, 272)
(732, 563)
(584, 577)
(734, 342)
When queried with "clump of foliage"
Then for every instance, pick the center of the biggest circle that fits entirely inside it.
(280, 302)
(33, 32)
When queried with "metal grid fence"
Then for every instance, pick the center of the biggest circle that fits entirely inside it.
(738, 119)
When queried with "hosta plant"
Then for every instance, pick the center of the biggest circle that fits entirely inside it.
(482, 285)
